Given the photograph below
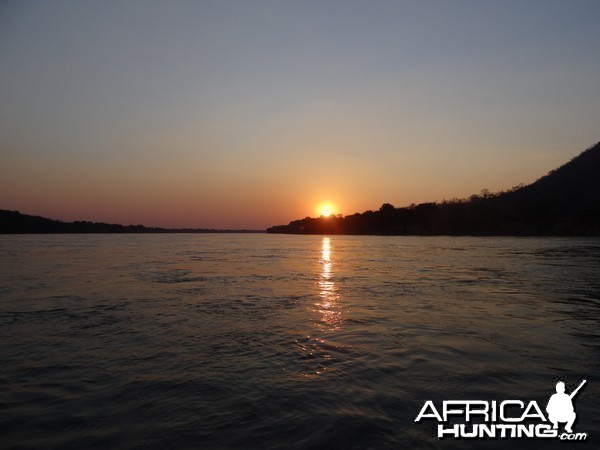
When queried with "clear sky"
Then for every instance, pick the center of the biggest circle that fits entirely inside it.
(246, 114)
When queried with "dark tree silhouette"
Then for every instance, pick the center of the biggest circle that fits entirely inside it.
(564, 202)
(13, 222)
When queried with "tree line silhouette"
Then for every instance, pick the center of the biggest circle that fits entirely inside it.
(13, 222)
(564, 202)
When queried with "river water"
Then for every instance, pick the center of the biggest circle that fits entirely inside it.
(274, 341)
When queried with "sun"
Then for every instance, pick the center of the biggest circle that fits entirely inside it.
(326, 210)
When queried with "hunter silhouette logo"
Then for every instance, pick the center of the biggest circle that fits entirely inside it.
(506, 419)
(560, 407)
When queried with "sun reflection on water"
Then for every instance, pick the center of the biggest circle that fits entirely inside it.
(328, 306)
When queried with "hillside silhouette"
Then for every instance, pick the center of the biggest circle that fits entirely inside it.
(13, 222)
(564, 202)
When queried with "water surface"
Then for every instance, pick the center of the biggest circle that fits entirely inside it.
(271, 341)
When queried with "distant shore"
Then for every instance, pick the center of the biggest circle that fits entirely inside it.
(13, 222)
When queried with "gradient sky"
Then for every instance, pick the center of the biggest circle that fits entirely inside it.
(246, 114)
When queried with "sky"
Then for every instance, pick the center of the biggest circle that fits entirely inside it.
(247, 114)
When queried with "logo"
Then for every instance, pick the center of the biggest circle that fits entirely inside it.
(506, 419)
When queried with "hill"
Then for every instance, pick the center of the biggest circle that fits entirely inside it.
(13, 222)
(566, 201)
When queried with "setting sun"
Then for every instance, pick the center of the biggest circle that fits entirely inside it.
(326, 209)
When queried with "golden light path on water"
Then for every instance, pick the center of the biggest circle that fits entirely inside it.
(329, 296)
